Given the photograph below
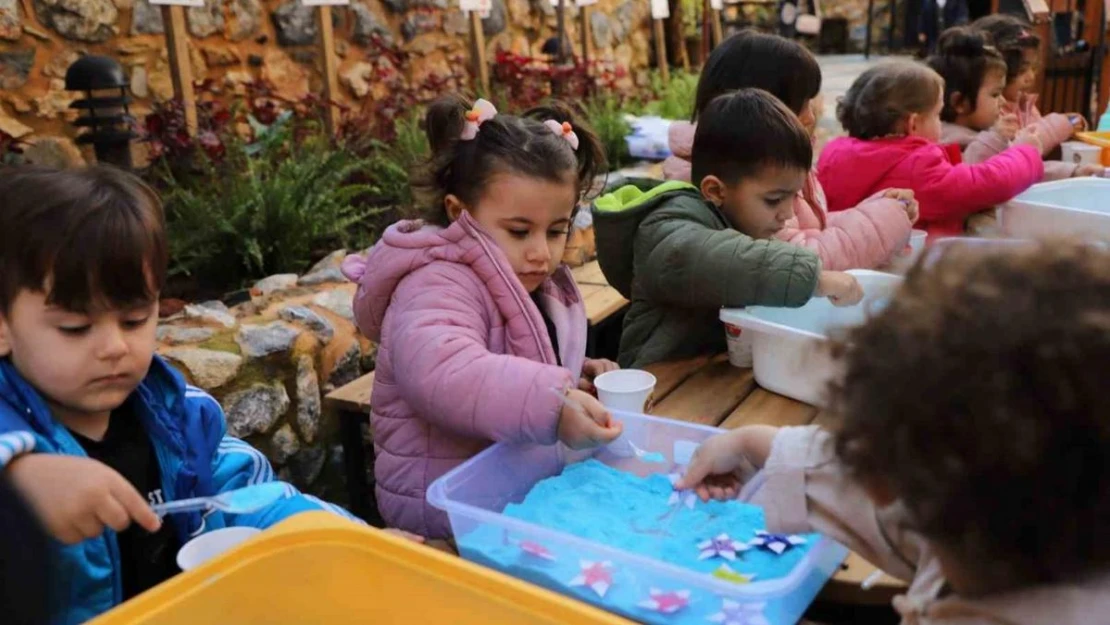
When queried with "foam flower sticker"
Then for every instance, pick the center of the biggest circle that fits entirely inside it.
(681, 497)
(728, 574)
(666, 602)
(776, 543)
(597, 576)
(721, 547)
(735, 613)
(536, 550)
(482, 112)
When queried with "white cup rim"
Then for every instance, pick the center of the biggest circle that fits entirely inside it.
(187, 552)
(648, 378)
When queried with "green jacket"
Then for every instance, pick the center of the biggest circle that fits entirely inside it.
(676, 258)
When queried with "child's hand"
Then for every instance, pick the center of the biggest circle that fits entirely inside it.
(416, 538)
(1078, 122)
(591, 370)
(585, 423)
(841, 288)
(76, 498)
(905, 196)
(1008, 126)
(1028, 136)
(1088, 169)
(725, 462)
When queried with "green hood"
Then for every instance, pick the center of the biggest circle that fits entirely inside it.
(617, 217)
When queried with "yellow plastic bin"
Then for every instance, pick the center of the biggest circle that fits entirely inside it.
(1101, 139)
(318, 568)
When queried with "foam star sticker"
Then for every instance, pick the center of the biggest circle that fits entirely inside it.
(735, 613)
(666, 602)
(776, 543)
(721, 547)
(728, 574)
(536, 549)
(597, 576)
(684, 497)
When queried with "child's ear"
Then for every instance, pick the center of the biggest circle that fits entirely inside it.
(959, 103)
(713, 189)
(454, 207)
(913, 122)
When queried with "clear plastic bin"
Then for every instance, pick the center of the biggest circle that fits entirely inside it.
(475, 493)
(319, 568)
(1073, 207)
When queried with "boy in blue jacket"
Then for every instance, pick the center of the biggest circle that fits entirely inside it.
(93, 426)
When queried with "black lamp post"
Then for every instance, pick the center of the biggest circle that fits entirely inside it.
(104, 113)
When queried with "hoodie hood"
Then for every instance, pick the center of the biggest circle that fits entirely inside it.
(852, 170)
(617, 217)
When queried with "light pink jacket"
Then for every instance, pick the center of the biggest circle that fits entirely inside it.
(808, 490)
(864, 237)
(979, 146)
(464, 357)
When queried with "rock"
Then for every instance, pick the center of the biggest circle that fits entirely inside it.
(337, 301)
(497, 20)
(347, 366)
(210, 315)
(283, 445)
(331, 274)
(56, 101)
(124, 4)
(206, 20)
(57, 152)
(304, 57)
(209, 368)
(308, 398)
(93, 21)
(36, 33)
(417, 24)
(59, 64)
(220, 56)
(15, 67)
(146, 19)
(215, 304)
(397, 6)
(254, 60)
(289, 78)
(10, 19)
(237, 78)
(178, 334)
(159, 80)
(335, 259)
(246, 20)
(170, 306)
(322, 328)
(456, 23)
(278, 282)
(255, 410)
(135, 46)
(307, 464)
(622, 21)
(603, 32)
(367, 25)
(18, 104)
(257, 341)
(341, 48)
(13, 127)
(140, 85)
(521, 13)
(295, 23)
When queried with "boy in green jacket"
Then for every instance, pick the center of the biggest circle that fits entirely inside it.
(681, 252)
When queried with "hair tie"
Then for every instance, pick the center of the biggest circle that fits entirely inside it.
(564, 130)
(1025, 34)
(482, 112)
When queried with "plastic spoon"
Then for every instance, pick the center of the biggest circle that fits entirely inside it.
(240, 501)
(646, 456)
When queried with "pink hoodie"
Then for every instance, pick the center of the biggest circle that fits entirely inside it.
(862, 238)
(464, 358)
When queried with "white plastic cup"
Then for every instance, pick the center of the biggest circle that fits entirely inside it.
(917, 243)
(628, 390)
(211, 544)
(1080, 153)
(739, 346)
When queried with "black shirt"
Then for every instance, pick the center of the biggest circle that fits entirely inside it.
(146, 559)
(550, 325)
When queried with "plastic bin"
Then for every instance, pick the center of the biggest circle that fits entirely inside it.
(1101, 139)
(475, 493)
(1073, 207)
(318, 568)
(789, 351)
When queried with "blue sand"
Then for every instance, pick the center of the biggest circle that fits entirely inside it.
(610, 507)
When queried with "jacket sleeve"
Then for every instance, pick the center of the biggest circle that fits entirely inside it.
(686, 262)
(236, 464)
(14, 444)
(948, 191)
(1053, 130)
(862, 237)
(447, 374)
(808, 490)
(985, 145)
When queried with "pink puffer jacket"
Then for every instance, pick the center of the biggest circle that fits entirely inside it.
(979, 146)
(464, 357)
(864, 237)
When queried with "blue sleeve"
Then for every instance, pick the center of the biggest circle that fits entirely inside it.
(13, 444)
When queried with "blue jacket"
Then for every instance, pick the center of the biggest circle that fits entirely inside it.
(196, 456)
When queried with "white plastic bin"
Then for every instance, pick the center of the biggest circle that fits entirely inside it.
(1073, 207)
(789, 345)
(475, 493)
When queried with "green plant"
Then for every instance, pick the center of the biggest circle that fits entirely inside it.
(672, 100)
(391, 163)
(606, 114)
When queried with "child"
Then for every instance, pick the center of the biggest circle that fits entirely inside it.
(864, 237)
(973, 448)
(1019, 46)
(680, 252)
(111, 426)
(482, 330)
(892, 115)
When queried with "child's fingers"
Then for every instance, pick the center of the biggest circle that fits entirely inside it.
(695, 474)
(703, 492)
(112, 514)
(135, 506)
(86, 527)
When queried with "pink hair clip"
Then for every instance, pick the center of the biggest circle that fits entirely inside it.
(564, 130)
(482, 112)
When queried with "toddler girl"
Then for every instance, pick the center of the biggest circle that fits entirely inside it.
(986, 492)
(892, 115)
(864, 237)
(482, 331)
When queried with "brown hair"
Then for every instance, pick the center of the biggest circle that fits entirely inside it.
(1012, 36)
(883, 96)
(964, 58)
(978, 397)
(93, 237)
(518, 144)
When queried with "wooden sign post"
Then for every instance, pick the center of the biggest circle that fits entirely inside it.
(660, 11)
(585, 29)
(326, 42)
(715, 8)
(181, 69)
(478, 39)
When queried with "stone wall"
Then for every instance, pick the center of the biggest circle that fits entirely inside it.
(234, 41)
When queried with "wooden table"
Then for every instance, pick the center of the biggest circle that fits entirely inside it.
(713, 392)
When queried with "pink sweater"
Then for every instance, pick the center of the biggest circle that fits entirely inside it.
(980, 146)
(862, 238)
(464, 357)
